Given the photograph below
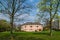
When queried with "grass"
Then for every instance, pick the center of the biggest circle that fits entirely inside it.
(31, 35)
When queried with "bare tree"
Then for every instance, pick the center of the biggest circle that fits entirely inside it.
(13, 8)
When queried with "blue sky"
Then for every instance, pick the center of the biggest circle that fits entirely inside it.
(29, 18)
(32, 15)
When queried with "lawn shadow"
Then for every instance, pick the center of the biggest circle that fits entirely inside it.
(41, 33)
(34, 38)
(28, 38)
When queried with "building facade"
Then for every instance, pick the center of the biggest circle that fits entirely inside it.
(31, 27)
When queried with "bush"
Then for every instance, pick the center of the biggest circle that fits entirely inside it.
(56, 29)
(4, 26)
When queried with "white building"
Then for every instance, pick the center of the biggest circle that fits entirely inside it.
(31, 27)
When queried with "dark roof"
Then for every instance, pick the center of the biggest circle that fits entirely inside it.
(31, 23)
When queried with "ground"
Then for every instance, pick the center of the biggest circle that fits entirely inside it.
(31, 35)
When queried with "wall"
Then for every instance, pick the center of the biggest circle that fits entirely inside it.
(33, 28)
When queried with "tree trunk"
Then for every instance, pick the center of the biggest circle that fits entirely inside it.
(11, 23)
(51, 27)
(58, 23)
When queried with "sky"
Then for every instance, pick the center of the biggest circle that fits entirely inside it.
(29, 18)
(32, 15)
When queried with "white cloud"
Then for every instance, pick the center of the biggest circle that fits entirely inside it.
(23, 16)
(37, 10)
(28, 19)
(4, 17)
(31, 0)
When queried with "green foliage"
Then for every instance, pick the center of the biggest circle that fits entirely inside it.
(4, 25)
(44, 5)
(51, 7)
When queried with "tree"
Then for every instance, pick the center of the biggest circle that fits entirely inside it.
(51, 7)
(4, 25)
(57, 21)
(14, 8)
(40, 17)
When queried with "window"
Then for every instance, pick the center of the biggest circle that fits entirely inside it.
(37, 26)
(31, 26)
(25, 26)
(39, 29)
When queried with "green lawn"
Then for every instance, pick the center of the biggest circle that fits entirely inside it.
(31, 35)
